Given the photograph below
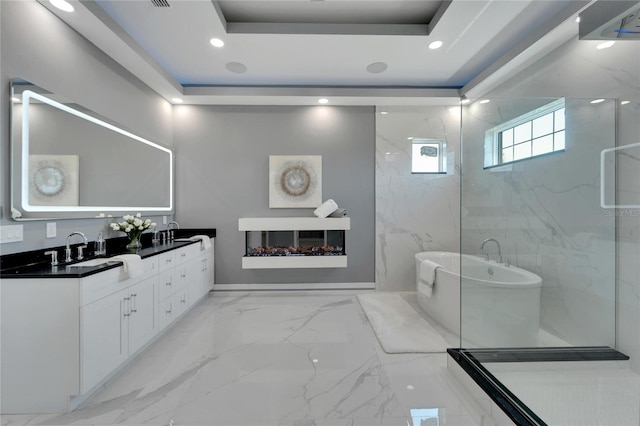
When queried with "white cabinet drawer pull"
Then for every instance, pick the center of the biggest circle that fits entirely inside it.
(133, 300)
(126, 307)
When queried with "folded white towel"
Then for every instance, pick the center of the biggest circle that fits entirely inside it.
(132, 264)
(205, 241)
(427, 276)
(326, 208)
(339, 213)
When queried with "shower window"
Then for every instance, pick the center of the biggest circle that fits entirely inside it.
(428, 156)
(536, 133)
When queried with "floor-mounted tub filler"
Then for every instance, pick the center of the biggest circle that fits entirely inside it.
(501, 304)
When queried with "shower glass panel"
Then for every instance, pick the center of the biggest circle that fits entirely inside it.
(539, 251)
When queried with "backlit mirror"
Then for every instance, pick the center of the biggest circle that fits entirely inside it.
(68, 162)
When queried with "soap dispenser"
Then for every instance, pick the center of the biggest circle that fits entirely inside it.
(100, 246)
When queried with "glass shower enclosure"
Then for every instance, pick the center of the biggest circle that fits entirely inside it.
(539, 202)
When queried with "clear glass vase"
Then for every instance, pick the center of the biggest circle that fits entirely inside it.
(135, 242)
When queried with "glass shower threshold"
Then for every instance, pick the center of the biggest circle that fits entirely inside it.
(487, 368)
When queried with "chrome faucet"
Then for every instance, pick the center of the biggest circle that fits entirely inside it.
(67, 250)
(170, 231)
(487, 254)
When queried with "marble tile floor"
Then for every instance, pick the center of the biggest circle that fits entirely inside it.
(275, 358)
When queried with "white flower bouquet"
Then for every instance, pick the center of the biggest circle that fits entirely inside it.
(133, 226)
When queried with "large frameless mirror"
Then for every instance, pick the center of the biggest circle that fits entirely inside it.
(68, 162)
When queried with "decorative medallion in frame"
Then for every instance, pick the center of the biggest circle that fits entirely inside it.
(295, 181)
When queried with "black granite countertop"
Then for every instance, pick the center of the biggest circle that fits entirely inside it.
(35, 264)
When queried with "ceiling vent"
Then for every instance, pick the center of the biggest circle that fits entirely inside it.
(160, 3)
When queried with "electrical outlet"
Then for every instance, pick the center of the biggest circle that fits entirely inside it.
(51, 230)
(164, 220)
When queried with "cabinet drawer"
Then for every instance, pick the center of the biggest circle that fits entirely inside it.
(186, 253)
(167, 284)
(166, 260)
(97, 286)
(172, 308)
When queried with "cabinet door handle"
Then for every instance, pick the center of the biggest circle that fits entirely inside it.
(170, 309)
(125, 303)
(169, 261)
(133, 299)
(168, 283)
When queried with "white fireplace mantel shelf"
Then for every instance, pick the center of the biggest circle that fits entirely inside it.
(294, 223)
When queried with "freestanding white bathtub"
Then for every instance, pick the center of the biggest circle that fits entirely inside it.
(500, 304)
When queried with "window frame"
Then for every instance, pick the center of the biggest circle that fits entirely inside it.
(442, 154)
(493, 136)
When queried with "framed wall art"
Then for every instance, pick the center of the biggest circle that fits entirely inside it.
(295, 181)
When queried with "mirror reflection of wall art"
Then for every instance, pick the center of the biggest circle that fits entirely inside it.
(53, 180)
(295, 181)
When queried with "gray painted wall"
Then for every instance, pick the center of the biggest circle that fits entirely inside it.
(39, 47)
(222, 164)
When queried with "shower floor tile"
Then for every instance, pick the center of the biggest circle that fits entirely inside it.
(580, 393)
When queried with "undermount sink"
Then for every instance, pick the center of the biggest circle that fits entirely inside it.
(89, 263)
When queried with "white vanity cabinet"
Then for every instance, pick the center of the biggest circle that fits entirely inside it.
(115, 326)
(201, 270)
(63, 337)
(173, 293)
(103, 329)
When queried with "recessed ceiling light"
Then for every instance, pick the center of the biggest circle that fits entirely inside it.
(323, 101)
(236, 67)
(410, 138)
(578, 19)
(624, 102)
(384, 112)
(377, 67)
(464, 101)
(597, 101)
(435, 45)
(15, 99)
(216, 42)
(485, 101)
(62, 5)
(177, 100)
(605, 45)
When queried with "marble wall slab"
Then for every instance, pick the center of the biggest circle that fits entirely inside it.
(546, 214)
(579, 69)
(414, 212)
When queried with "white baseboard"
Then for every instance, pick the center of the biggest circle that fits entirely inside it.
(296, 286)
